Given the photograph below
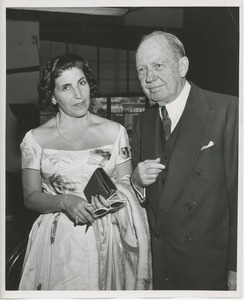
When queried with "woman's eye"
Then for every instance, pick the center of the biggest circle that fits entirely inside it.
(83, 82)
(64, 88)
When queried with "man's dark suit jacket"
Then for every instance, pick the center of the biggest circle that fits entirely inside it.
(194, 224)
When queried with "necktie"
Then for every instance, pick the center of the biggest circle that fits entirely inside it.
(166, 123)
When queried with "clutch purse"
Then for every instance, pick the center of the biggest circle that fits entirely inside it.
(99, 184)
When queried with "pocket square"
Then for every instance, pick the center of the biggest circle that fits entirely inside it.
(210, 144)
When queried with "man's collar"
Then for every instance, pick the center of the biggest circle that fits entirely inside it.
(180, 101)
(176, 107)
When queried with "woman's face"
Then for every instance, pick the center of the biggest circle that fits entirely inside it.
(72, 92)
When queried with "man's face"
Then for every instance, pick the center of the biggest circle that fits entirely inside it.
(161, 74)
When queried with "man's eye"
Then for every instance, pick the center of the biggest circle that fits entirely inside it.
(141, 70)
(158, 66)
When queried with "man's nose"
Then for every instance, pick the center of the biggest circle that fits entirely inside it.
(150, 76)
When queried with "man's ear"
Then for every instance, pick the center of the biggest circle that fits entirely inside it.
(184, 66)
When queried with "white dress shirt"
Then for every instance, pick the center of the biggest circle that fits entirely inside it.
(176, 107)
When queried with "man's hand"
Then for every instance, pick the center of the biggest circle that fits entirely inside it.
(232, 277)
(147, 172)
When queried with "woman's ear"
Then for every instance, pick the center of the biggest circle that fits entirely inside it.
(184, 66)
(54, 102)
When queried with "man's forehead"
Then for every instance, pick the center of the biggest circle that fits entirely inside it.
(155, 40)
(153, 52)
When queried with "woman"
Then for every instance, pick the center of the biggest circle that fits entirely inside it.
(58, 159)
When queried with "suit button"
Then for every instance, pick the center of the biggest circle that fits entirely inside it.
(188, 206)
(199, 171)
(156, 235)
(165, 157)
(187, 238)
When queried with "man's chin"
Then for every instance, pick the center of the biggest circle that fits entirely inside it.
(160, 102)
(156, 99)
(156, 96)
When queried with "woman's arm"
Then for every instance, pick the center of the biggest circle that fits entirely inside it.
(36, 200)
(123, 169)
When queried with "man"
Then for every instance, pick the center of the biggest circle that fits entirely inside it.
(185, 161)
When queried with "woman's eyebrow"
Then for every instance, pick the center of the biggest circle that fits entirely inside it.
(83, 77)
(65, 84)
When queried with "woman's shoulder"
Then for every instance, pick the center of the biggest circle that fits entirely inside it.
(106, 127)
(44, 132)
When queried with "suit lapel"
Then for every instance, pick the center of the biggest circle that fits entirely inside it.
(151, 134)
(151, 149)
(192, 131)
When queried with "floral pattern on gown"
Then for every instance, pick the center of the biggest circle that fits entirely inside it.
(59, 255)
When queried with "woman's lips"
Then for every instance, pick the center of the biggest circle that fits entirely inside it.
(80, 104)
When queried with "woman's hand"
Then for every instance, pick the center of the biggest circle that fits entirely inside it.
(101, 206)
(100, 202)
(78, 209)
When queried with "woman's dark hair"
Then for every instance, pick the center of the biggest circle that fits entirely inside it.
(53, 69)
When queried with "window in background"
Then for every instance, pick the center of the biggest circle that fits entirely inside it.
(49, 50)
(98, 106)
(112, 71)
(119, 109)
(133, 81)
(125, 109)
(89, 53)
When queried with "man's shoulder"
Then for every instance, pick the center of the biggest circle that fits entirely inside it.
(216, 98)
(222, 102)
(221, 96)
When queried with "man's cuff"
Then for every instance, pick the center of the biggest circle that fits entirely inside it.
(141, 196)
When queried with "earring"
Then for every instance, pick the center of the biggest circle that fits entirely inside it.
(54, 102)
